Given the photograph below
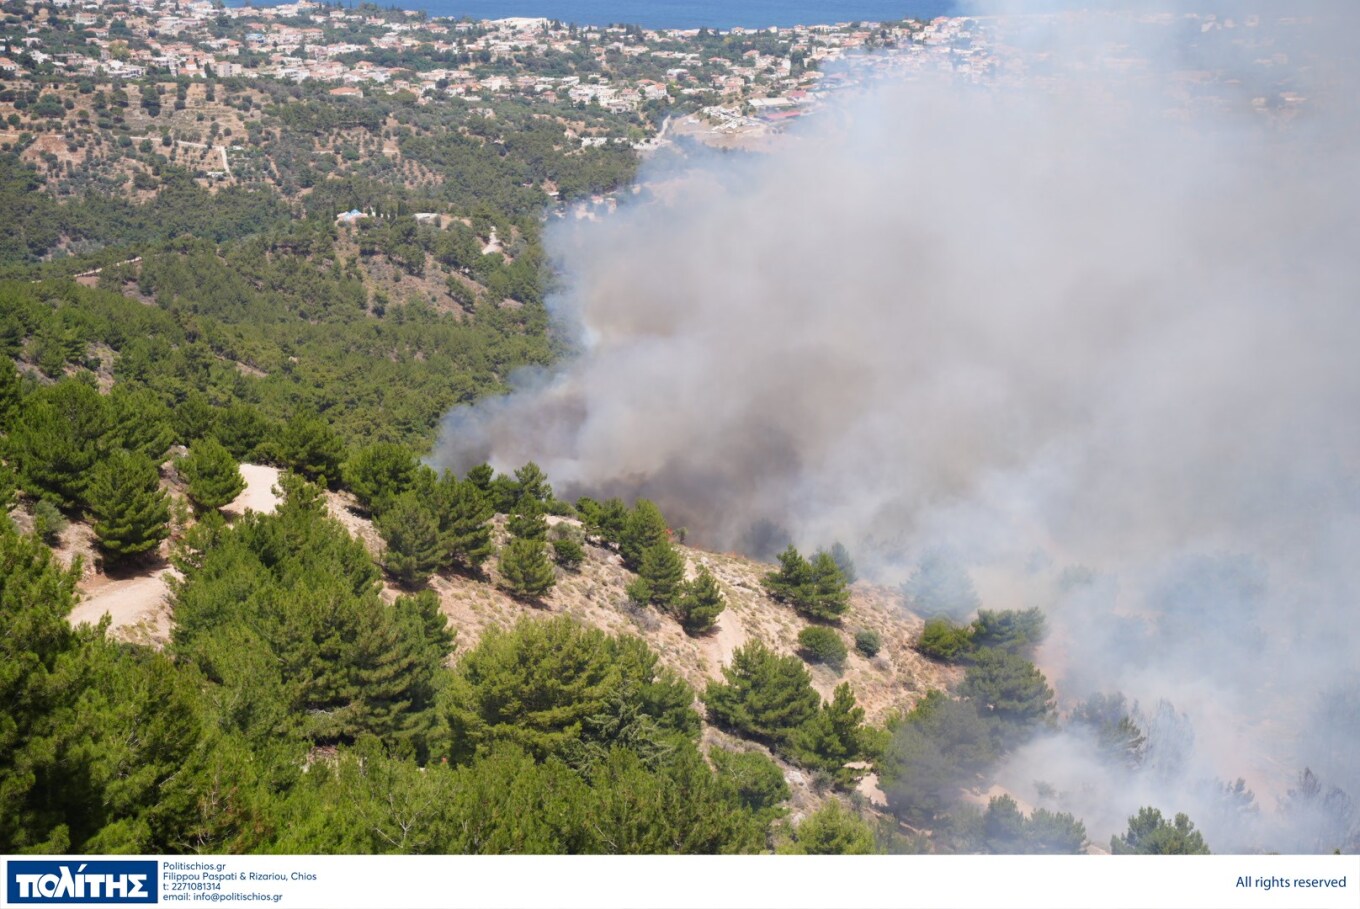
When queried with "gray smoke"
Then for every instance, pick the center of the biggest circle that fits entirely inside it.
(1088, 320)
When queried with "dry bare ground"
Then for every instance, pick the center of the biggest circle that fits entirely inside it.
(138, 606)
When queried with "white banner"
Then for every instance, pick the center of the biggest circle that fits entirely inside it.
(662, 882)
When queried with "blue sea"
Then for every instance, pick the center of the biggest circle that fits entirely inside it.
(721, 14)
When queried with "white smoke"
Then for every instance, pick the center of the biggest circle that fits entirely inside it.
(1100, 305)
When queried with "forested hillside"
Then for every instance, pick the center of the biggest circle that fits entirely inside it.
(201, 274)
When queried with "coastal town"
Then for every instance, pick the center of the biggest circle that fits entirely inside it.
(622, 68)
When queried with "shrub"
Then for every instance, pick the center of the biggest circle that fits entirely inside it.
(48, 522)
(942, 640)
(822, 645)
(568, 553)
(868, 642)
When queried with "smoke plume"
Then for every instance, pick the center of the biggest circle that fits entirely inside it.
(1080, 306)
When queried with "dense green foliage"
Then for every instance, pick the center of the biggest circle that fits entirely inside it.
(1151, 834)
(211, 473)
(411, 534)
(868, 642)
(282, 616)
(72, 778)
(1006, 830)
(820, 644)
(557, 688)
(817, 589)
(643, 529)
(131, 511)
(525, 568)
(764, 696)
(831, 830)
(1009, 689)
(663, 572)
(59, 436)
(700, 603)
(941, 745)
(942, 640)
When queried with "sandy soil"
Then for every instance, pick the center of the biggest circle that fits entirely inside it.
(138, 608)
(259, 494)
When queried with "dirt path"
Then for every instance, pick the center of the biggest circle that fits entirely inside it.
(137, 607)
(728, 634)
(259, 493)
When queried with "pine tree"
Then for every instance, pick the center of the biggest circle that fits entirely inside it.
(531, 483)
(57, 439)
(765, 696)
(834, 737)
(828, 598)
(831, 830)
(379, 473)
(527, 521)
(1150, 834)
(793, 578)
(131, 511)
(412, 537)
(464, 524)
(525, 568)
(663, 570)
(310, 447)
(568, 552)
(140, 421)
(644, 528)
(11, 391)
(700, 603)
(213, 477)
(482, 477)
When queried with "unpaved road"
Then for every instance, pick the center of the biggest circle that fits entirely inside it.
(259, 493)
(135, 601)
(141, 604)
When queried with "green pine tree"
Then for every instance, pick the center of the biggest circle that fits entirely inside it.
(131, 511)
(644, 529)
(764, 695)
(834, 737)
(793, 578)
(1150, 834)
(831, 830)
(140, 421)
(700, 603)
(527, 521)
(411, 533)
(525, 568)
(464, 523)
(841, 555)
(568, 552)
(11, 391)
(311, 447)
(58, 438)
(531, 483)
(663, 569)
(829, 597)
(380, 472)
(212, 475)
